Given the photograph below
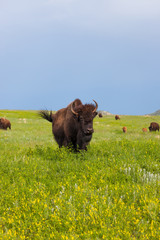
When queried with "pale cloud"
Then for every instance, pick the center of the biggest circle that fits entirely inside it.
(132, 8)
(104, 15)
(95, 15)
(104, 42)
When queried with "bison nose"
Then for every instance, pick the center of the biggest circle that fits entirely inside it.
(90, 130)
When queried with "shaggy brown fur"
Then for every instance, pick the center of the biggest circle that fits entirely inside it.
(144, 129)
(117, 117)
(124, 129)
(153, 126)
(72, 125)
(4, 124)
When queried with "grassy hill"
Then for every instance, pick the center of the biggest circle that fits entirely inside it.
(109, 192)
(156, 113)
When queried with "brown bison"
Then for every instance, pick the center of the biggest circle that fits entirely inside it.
(117, 117)
(73, 125)
(153, 126)
(144, 129)
(4, 124)
(100, 115)
(124, 129)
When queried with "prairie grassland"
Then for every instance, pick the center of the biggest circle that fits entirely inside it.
(112, 191)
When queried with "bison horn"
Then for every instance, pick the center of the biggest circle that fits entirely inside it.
(96, 106)
(73, 110)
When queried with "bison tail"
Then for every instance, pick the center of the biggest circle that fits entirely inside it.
(46, 115)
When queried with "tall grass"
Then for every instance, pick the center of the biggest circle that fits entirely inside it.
(112, 191)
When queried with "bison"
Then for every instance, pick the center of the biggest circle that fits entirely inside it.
(100, 114)
(124, 129)
(153, 126)
(73, 125)
(117, 117)
(4, 124)
(144, 129)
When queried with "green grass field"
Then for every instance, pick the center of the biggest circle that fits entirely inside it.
(112, 191)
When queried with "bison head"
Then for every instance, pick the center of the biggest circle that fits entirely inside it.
(85, 114)
(150, 128)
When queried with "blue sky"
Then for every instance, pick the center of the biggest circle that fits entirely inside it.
(53, 51)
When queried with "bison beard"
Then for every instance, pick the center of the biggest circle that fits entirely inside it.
(72, 126)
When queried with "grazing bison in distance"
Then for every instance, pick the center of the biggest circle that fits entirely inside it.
(100, 115)
(153, 126)
(144, 129)
(124, 129)
(73, 125)
(4, 124)
(117, 117)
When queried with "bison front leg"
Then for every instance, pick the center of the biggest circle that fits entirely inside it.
(70, 143)
(82, 146)
(83, 140)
